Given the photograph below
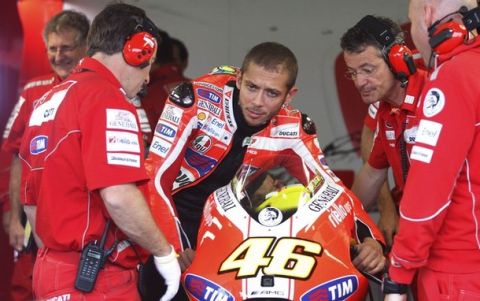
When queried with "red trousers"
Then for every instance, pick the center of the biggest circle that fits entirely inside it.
(22, 277)
(54, 277)
(437, 286)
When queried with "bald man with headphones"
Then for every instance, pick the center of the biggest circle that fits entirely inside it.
(83, 154)
(439, 234)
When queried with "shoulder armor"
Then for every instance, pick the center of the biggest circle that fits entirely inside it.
(308, 125)
(182, 95)
(225, 69)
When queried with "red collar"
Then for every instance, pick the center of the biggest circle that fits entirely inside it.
(91, 64)
(412, 93)
(462, 48)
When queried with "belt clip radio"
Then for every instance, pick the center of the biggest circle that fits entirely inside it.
(92, 260)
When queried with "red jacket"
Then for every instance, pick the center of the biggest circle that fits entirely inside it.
(440, 208)
(394, 124)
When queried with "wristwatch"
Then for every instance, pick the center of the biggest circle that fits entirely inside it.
(391, 287)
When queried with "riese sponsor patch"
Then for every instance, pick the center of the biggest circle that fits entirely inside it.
(160, 147)
(172, 114)
(121, 120)
(123, 159)
(166, 131)
(122, 141)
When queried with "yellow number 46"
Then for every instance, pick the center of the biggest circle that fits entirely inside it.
(288, 257)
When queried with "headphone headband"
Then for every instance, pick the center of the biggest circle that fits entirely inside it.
(378, 30)
(396, 54)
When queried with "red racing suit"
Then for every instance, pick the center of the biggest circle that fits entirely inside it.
(440, 208)
(194, 134)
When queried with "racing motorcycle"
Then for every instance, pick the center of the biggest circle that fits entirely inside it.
(276, 233)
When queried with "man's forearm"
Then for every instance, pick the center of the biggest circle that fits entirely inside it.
(130, 212)
(31, 213)
(368, 183)
(14, 189)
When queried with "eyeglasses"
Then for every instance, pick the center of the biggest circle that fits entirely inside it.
(366, 71)
(63, 49)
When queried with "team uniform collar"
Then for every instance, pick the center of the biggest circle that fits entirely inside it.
(91, 64)
(412, 93)
(464, 47)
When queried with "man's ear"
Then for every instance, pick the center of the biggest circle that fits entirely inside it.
(290, 94)
(239, 79)
(429, 11)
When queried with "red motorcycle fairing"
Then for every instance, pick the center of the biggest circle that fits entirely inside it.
(305, 256)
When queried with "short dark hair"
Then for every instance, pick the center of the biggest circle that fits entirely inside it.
(68, 20)
(182, 49)
(273, 56)
(357, 38)
(113, 25)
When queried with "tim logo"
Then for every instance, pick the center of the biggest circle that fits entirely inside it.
(38, 145)
(165, 130)
(214, 97)
(205, 290)
(338, 289)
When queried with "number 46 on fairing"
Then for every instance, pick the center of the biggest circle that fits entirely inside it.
(287, 257)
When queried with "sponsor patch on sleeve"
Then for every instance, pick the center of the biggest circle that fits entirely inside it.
(122, 141)
(160, 147)
(434, 102)
(166, 131)
(123, 159)
(172, 114)
(421, 154)
(121, 120)
(428, 132)
(290, 130)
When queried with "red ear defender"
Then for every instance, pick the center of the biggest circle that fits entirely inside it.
(400, 58)
(445, 37)
(139, 49)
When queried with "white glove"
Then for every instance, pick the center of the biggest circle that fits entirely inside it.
(395, 297)
(169, 268)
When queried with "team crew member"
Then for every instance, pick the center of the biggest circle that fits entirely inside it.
(65, 37)
(440, 210)
(208, 126)
(375, 53)
(84, 153)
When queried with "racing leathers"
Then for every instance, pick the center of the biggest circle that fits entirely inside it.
(201, 127)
